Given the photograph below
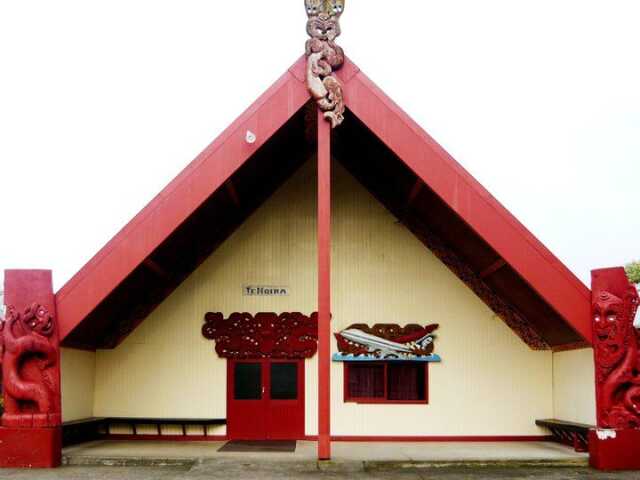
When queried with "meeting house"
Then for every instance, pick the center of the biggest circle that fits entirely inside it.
(323, 271)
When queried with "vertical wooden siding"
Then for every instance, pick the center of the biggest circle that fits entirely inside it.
(78, 372)
(489, 382)
(574, 391)
(166, 367)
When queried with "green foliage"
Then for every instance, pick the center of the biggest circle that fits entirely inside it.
(633, 271)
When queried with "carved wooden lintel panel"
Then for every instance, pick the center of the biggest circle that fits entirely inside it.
(265, 335)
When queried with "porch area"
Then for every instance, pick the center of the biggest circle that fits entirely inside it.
(346, 456)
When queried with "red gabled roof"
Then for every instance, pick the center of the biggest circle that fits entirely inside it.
(472, 202)
(203, 176)
(536, 265)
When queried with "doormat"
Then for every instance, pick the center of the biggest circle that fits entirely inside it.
(256, 446)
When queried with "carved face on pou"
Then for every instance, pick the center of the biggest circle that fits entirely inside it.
(324, 18)
(335, 7)
(324, 8)
(37, 319)
(612, 325)
(607, 310)
(314, 7)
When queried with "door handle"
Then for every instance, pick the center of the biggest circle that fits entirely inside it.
(263, 389)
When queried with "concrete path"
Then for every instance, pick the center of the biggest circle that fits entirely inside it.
(185, 453)
(142, 460)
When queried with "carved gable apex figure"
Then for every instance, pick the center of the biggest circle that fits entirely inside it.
(325, 57)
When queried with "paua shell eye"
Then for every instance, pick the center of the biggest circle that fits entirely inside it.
(312, 7)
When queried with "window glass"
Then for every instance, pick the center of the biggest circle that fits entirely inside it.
(247, 381)
(366, 381)
(405, 381)
(284, 381)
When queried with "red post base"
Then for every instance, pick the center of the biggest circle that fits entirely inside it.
(614, 449)
(30, 447)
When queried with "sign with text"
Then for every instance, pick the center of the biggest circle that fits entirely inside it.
(264, 291)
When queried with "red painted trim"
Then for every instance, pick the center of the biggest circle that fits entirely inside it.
(553, 281)
(571, 346)
(375, 401)
(379, 400)
(464, 438)
(168, 438)
(324, 288)
(202, 177)
(426, 383)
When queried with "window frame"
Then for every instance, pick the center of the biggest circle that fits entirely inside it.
(385, 399)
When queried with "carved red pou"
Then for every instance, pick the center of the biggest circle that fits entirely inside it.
(30, 434)
(616, 345)
(30, 368)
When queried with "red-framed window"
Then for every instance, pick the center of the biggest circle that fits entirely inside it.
(386, 382)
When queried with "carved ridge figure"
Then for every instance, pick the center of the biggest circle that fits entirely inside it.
(324, 57)
(29, 367)
(617, 362)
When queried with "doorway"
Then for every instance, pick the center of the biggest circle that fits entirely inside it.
(265, 399)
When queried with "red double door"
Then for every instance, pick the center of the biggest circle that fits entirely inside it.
(265, 399)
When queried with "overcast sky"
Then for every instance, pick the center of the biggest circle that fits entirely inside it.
(104, 102)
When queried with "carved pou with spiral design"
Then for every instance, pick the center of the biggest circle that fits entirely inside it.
(30, 361)
(616, 345)
(325, 57)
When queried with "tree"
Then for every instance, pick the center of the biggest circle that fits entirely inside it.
(633, 272)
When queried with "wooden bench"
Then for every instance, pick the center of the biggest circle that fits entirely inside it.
(573, 434)
(159, 422)
(81, 431)
(89, 429)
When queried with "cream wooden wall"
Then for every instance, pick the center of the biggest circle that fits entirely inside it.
(78, 370)
(489, 382)
(574, 397)
(166, 368)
